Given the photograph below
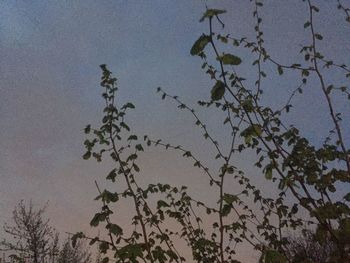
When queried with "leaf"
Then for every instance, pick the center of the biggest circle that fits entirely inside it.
(130, 251)
(218, 90)
(75, 238)
(162, 203)
(307, 24)
(268, 173)
(273, 256)
(132, 137)
(136, 168)
(103, 247)
(108, 197)
(210, 13)
(318, 36)
(128, 105)
(280, 70)
(112, 175)
(87, 129)
(229, 59)
(229, 199)
(315, 8)
(87, 155)
(257, 131)
(199, 45)
(139, 147)
(95, 221)
(98, 217)
(132, 157)
(248, 139)
(115, 229)
(253, 130)
(126, 127)
(93, 241)
(226, 209)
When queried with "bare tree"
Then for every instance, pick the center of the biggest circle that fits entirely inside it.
(77, 254)
(308, 248)
(31, 235)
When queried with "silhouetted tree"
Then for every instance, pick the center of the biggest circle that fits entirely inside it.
(307, 248)
(77, 254)
(31, 235)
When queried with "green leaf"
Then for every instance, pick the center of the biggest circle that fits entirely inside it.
(132, 157)
(136, 168)
(218, 90)
(248, 139)
(130, 251)
(103, 247)
(172, 255)
(75, 238)
(108, 197)
(98, 217)
(248, 105)
(87, 129)
(268, 173)
(318, 36)
(95, 221)
(128, 105)
(226, 209)
(250, 132)
(162, 203)
(126, 127)
(280, 70)
(199, 45)
(87, 155)
(229, 199)
(139, 147)
(132, 137)
(93, 241)
(229, 59)
(115, 229)
(273, 256)
(257, 131)
(112, 175)
(210, 13)
(307, 24)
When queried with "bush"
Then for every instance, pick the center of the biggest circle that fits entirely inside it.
(307, 177)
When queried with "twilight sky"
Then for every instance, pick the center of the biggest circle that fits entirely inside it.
(49, 77)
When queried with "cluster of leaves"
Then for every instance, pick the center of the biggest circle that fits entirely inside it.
(306, 176)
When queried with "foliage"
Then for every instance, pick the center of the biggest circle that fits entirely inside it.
(32, 236)
(308, 177)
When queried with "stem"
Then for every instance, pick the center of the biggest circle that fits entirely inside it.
(117, 154)
(326, 94)
(221, 218)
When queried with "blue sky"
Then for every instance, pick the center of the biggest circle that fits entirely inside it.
(49, 76)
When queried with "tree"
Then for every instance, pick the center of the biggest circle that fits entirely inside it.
(308, 177)
(78, 254)
(31, 235)
(306, 248)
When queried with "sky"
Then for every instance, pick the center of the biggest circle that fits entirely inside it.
(49, 85)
